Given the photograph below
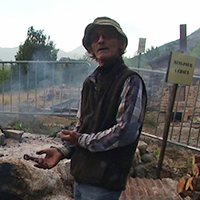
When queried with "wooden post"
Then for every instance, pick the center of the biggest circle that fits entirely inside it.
(141, 48)
(139, 58)
(183, 38)
(166, 128)
(183, 47)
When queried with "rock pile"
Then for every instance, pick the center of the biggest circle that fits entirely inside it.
(143, 157)
(19, 179)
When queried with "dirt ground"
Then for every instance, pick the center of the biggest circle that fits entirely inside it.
(177, 160)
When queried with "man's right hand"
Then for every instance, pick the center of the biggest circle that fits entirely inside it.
(51, 159)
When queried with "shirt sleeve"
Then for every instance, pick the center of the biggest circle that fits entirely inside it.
(67, 149)
(129, 120)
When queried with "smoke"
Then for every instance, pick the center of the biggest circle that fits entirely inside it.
(41, 85)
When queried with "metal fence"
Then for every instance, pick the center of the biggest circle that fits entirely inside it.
(185, 123)
(53, 88)
(40, 87)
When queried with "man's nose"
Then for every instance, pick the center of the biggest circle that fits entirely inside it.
(101, 38)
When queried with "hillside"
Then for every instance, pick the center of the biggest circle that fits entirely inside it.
(8, 54)
(74, 54)
(192, 40)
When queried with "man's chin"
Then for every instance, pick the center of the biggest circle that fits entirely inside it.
(102, 61)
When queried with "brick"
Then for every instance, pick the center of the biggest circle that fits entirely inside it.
(150, 189)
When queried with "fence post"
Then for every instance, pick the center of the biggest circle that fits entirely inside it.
(166, 129)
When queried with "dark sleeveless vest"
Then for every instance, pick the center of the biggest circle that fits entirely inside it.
(100, 102)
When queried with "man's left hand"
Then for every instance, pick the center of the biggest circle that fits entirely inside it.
(70, 136)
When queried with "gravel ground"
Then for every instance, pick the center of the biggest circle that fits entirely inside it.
(30, 144)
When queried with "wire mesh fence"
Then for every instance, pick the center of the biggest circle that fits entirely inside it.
(53, 88)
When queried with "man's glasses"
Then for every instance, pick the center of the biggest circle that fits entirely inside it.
(105, 34)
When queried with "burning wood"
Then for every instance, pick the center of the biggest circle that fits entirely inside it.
(190, 185)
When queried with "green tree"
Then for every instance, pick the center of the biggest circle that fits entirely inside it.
(5, 74)
(170, 47)
(37, 46)
(196, 50)
(152, 53)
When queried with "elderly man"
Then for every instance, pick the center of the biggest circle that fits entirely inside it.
(113, 102)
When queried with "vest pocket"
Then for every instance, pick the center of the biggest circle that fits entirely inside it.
(87, 167)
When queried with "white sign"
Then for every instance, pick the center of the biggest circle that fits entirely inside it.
(181, 68)
(141, 46)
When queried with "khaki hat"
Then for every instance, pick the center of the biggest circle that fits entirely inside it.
(102, 21)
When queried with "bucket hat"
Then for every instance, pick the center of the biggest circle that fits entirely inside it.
(102, 21)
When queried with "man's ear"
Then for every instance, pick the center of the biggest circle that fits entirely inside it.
(122, 46)
(92, 52)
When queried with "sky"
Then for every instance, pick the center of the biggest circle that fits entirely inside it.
(65, 20)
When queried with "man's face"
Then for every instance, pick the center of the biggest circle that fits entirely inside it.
(105, 43)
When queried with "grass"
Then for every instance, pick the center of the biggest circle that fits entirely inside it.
(18, 125)
(156, 153)
(47, 125)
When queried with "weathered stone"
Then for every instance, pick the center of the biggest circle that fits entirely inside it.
(22, 181)
(139, 171)
(147, 158)
(137, 158)
(14, 134)
(64, 171)
(142, 146)
(2, 139)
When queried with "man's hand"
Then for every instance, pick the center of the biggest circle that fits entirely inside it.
(53, 156)
(70, 136)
